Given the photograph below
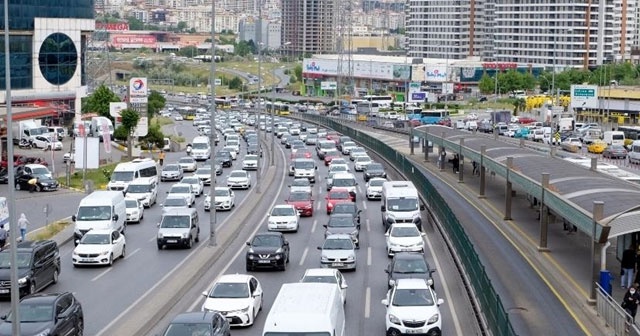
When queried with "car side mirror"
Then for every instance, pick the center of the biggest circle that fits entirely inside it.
(324, 225)
(383, 208)
(422, 207)
(440, 301)
(319, 247)
(158, 224)
(248, 243)
(73, 218)
(386, 234)
(286, 243)
(167, 191)
(115, 217)
(77, 241)
(205, 294)
(385, 302)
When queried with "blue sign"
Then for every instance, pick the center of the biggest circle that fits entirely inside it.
(313, 67)
(418, 95)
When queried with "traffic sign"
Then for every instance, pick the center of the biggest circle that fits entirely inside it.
(584, 96)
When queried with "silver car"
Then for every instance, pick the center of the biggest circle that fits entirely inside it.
(171, 172)
(338, 251)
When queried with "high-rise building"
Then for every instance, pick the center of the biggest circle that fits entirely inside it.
(308, 26)
(268, 33)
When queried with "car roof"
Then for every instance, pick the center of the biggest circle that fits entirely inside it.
(412, 283)
(338, 236)
(43, 297)
(180, 185)
(143, 180)
(194, 317)
(266, 233)
(409, 255)
(280, 206)
(334, 189)
(320, 271)
(179, 212)
(99, 231)
(404, 225)
(236, 278)
(340, 175)
(35, 165)
(346, 215)
(378, 179)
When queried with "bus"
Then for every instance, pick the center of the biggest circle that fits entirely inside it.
(222, 103)
(430, 117)
(278, 108)
(630, 132)
(366, 110)
(187, 112)
(383, 101)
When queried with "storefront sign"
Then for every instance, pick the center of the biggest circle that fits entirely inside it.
(435, 73)
(145, 40)
(112, 26)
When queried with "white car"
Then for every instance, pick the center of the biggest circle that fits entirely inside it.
(404, 237)
(239, 179)
(283, 217)
(175, 201)
(232, 151)
(361, 162)
(357, 151)
(204, 174)
(143, 189)
(69, 157)
(196, 183)
(327, 275)
(301, 184)
(99, 247)
(225, 199)
(237, 296)
(338, 167)
(184, 190)
(339, 161)
(412, 301)
(134, 209)
(46, 142)
(233, 146)
(171, 172)
(250, 162)
(188, 164)
(178, 118)
(374, 188)
(347, 147)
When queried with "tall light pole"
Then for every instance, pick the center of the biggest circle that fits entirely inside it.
(212, 121)
(553, 71)
(259, 166)
(13, 276)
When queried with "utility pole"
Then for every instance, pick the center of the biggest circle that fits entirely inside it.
(212, 136)
(260, 96)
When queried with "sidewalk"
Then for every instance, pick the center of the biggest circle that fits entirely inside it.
(566, 265)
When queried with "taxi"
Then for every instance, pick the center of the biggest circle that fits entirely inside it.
(597, 147)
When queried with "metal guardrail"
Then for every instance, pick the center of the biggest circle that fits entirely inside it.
(613, 314)
(491, 310)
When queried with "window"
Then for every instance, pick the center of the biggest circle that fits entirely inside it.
(58, 58)
(23, 12)
(63, 304)
(149, 172)
(21, 60)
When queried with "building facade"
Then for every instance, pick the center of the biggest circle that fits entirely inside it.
(260, 31)
(308, 26)
(47, 48)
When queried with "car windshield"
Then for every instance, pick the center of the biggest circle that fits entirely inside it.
(344, 182)
(33, 313)
(612, 147)
(266, 241)
(341, 221)
(301, 183)
(180, 190)
(177, 222)
(358, 150)
(189, 329)
(349, 208)
(139, 188)
(23, 259)
(412, 297)
(230, 290)
(348, 144)
(251, 158)
(222, 192)
(299, 196)
(405, 231)
(238, 174)
(339, 195)
(203, 171)
(338, 244)
(200, 145)
(374, 166)
(402, 204)
(131, 204)
(40, 171)
(363, 159)
(171, 168)
(283, 211)
(410, 266)
(186, 160)
(94, 213)
(190, 180)
(376, 183)
(320, 279)
(304, 164)
(124, 176)
(95, 239)
(338, 168)
(175, 202)
(332, 152)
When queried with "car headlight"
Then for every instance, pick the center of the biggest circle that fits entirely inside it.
(393, 319)
(103, 253)
(293, 222)
(240, 311)
(308, 206)
(278, 256)
(23, 281)
(135, 213)
(159, 235)
(354, 233)
(272, 222)
(351, 258)
(324, 258)
(433, 319)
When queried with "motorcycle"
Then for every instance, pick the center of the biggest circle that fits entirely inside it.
(189, 149)
(24, 143)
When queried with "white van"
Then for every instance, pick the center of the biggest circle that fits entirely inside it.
(613, 137)
(96, 127)
(304, 168)
(200, 148)
(101, 209)
(306, 309)
(634, 153)
(126, 172)
(400, 204)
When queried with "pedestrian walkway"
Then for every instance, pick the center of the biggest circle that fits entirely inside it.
(565, 267)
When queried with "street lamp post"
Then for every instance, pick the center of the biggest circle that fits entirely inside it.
(212, 136)
(260, 44)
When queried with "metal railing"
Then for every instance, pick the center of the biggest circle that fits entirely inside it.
(491, 308)
(614, 315)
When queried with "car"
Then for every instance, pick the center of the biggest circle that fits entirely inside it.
(372, 170)
(412, 307)
(38, 265)
(357, 151)
(335, 196)
(198, 323)
(178, 227)
(171, 172)
(311, 140)
(283, 217)
(404, 237)
(343, 223)
(360, 162)
(204, 174)
(135, 210)
(232, 151)
(99, 247)
(350, 208)
(301, 184)
(197, 186)
(4, 175)
(301, 154)
(267, 250)
(178, 117)
(144, 189)
(238, 297)
(329, 155)
(188, 164)
(405, 265)
(44, 180)
(223, 158)
(597, 147)
(335, 168)
(225, 199)
(344, 181)
(239, 179)
(185, 190)
(250, 162)
(374, 188)
(338, 251)
(615, 152)
(327, 275)
(46, 143)
(302, 201)
(347, 146)
(69, 157)
(47, 314)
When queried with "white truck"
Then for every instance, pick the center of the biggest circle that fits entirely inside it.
(96, 127)
(28, 129)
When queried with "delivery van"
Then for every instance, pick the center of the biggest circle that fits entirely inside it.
(613, 137)
(102, 209)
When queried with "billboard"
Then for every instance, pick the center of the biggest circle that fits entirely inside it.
(145, 40)
(93, 152)
(584, 96)
(436, 73)
(329, 85)
(138, 87)
(115, 108)
(112, 26)
(362, 69)
(320, 66)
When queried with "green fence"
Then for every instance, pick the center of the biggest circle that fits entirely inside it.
(491, 307)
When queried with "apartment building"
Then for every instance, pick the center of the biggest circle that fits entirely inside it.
(265, 31)
(308, 26)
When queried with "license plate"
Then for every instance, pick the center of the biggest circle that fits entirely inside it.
(172, 241)
(337, 264)
(414, 331)
(4, 291)
(263, 261)
(282, 226)
(86, 259)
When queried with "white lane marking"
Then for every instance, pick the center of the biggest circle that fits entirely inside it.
(313, 227)
(318, 206)
(364, 205)
(368, 226)
(367, 303)
(101, 274)
(445, 286)
(129, 255)
(153, 238)
(304, 256)
(369, 256)
(182, 262)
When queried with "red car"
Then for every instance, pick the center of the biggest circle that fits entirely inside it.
(335, 136)
(302, 201)
(337, 195)
(301, 154)
(330, 155)
(526, 120)
(18, 160)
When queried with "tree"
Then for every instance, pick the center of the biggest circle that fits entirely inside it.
(298, 72)
(130, 120)
(98, 102)
(243, 48)
(188, 51)
(156, 102)
(154, 136)
(519, 104)
(235, 83)
(135, 24)
(181, 26)
(486, 84)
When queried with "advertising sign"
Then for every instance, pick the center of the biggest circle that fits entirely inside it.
(138, 87)
(145, 40)
(584, 96)
(318, 66)
(115, 108)
(447, 88)
(4, 211)
(106, 136)
(330, 85)
(142, 128)
(112, 26)
(417, 97)
(93, 152)
(435, 73)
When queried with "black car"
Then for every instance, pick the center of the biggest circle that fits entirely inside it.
(374, 169)
(210, 323)
(343, 223)
(4, 175)
(223, 158)
(47, 314)
(44, 183)
(409, 265)
(268, 250)
(347, 208)
(253, 149)
(38, 264)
